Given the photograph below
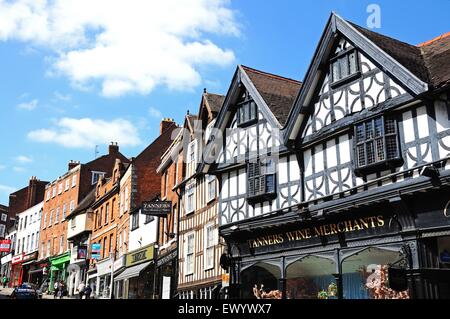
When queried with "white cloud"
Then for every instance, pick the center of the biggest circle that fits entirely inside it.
(2, 167)
(18, 169)
(23, 159)
(62, 97)
(128, 46)
(86, 133)
(7, 189)
(155, 113)
(28, 105)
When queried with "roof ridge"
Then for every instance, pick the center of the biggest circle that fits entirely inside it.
(272, 75)
(440, 37)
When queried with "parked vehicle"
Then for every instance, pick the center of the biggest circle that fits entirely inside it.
(26, 291)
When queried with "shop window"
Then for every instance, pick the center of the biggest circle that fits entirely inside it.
(261, 180)
(261, 281)
(376, 145)
(311, 278)
(365, 274)
(344, 67)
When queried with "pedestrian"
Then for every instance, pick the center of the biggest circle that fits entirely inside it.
(4, 281)
(87, 292)
(81, 289)
(62, 288)
(55, 289)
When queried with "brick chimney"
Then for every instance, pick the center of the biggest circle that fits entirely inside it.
(32, 191)
(165, 124)
(72, 164)
(113, 148)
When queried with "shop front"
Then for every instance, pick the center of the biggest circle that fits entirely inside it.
(104, 278)
(38, 273)
(387, 250)
(166, 270)
(27, 261)
(77, 269)
(137, 281)
(6, 267)
(58, 269)
(16, 270)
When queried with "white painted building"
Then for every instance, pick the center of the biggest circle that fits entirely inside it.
(28, 226)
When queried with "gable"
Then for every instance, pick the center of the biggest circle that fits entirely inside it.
(336, 29)
(370, 87)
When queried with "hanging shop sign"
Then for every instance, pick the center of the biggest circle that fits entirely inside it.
(157, 208)
(5, 245)
(140, 256)
(165, 259)
(95, 251)
(82, 252)
(347, 226)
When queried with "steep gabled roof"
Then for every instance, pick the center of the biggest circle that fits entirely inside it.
(406, 54)
(436, 54)
(401, 61)
(278, 92)
(214, 101)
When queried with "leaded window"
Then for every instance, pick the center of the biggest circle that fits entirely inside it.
(261, 179)
(376, 142)
(247, 112)
(344, 66)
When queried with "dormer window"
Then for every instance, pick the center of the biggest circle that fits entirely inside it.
(261, 180)
(344, 67)
(96, 176)
(376, 145)
(247, 112)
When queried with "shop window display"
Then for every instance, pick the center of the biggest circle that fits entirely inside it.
(260, 281)
(311, 278)
(365, 274)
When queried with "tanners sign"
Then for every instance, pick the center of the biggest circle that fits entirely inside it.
(156, 208)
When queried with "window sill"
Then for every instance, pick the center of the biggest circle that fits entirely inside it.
(247, 123)
(134, 228)
(378, 167)
(261, 197)
(209, 268)
(345, 80)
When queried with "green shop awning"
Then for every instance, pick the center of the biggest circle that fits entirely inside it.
(58, 261)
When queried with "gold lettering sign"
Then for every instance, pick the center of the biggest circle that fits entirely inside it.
(347, 226)
(137, 257)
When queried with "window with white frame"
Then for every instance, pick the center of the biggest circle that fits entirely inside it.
(135, 221)
(209, 246)
(64, 211)
(125, 207)
(190, 254)
(192, 151)
(96, 176)
(73, 222)
(209, 130)
(25, 222)
(121, 204)
(211, 187)
(27, 247)
(48, 248)
(45, 220)
(60, 188)
(61, 244)
(2, 230)
(57, 215)
(43, 249)
(74, 180)
(4, 217)
(37, 239)
(54, 191)
(32, 242)
(48, 195)
(50, 220)
(190, 198)
(18, 246)
(72, 206)
(67, 184)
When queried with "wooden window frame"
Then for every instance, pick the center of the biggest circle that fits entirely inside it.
(342, 80)
(259, 172)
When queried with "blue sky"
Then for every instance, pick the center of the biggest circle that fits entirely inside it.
(82, 80)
